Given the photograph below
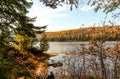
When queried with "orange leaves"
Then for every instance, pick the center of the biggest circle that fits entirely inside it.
(85, 34)
(33, 61)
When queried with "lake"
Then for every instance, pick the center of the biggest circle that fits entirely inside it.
(73, 62)
(61, 47)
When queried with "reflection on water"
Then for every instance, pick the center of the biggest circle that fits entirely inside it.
(61, 47)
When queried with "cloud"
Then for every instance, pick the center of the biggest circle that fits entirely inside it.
(45, 15)
(87, 8)
(42, 22)
(54, 13)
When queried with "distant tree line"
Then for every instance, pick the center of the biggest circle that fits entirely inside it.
(109, 33)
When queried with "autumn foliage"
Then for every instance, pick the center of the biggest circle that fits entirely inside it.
(109, 33)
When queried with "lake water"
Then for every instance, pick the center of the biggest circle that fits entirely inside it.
(61, 47)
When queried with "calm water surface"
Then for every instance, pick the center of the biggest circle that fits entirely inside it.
(61, 47)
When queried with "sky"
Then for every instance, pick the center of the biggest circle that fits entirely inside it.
(62, 18)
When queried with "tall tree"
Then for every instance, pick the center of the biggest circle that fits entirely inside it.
(13, 19)
(12, 13)
(15, 23)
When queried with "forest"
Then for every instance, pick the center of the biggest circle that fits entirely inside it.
(19, 59)
(107, 33)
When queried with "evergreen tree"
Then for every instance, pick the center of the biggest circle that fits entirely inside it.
(44, 43)
(17, 33)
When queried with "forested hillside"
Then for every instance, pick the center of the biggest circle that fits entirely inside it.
(109, 33)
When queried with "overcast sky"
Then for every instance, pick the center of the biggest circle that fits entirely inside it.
(62, 18)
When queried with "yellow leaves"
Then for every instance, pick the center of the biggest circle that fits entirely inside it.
(23, 42)
(86, 34)
(21, 38)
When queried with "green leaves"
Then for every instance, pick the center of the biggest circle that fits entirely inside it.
(24, 42)
(108, 6)
(12, 13)
(54, 3)
(17, 34)
(43, 43)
